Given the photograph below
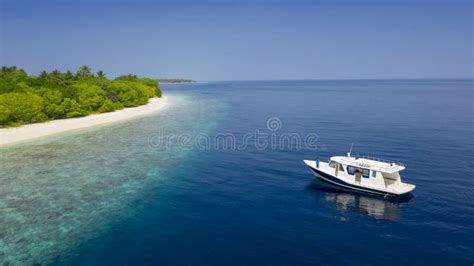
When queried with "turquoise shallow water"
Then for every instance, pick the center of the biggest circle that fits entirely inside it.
(64, 190)
(113, 196)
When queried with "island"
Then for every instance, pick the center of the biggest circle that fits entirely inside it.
(26, 99)
(50, 103)
(175, 80)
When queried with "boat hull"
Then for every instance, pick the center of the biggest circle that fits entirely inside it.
(341, 183)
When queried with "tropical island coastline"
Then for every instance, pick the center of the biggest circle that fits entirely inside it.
(33, 107)
(26, 133)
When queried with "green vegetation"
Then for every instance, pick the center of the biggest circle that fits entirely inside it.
(28, 99)
(175, 80)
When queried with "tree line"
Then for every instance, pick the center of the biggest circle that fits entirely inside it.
(176, 80)
(28, 99)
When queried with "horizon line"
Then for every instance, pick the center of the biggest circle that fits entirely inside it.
(335, 79)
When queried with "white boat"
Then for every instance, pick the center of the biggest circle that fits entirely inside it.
(364, 174)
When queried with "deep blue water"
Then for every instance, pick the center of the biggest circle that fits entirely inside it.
(262, 206)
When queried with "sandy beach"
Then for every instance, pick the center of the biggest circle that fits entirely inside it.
(10, 136)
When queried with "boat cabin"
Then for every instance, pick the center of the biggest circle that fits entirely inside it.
(366, 171)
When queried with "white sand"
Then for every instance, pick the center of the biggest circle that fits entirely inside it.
(9, 136)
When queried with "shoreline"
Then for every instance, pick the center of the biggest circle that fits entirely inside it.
(30, 132)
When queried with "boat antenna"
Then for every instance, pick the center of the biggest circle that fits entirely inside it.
(350, 151)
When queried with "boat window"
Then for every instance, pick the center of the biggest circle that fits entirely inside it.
(374, 173)
(350, 170)
(332, 164)
(365, 173)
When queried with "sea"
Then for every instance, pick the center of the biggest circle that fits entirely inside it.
(217, 178)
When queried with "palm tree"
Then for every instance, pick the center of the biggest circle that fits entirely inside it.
(83, 72)
(69, 75)
(43, 74)
(56, 73)
(101, 74)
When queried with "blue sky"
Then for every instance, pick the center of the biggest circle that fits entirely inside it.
(233, 40)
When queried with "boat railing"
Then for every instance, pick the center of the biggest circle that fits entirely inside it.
(379, 159)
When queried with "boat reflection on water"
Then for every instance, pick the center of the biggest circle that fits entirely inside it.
(347, 200)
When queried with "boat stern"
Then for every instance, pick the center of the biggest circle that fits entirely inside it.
(405, 188)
